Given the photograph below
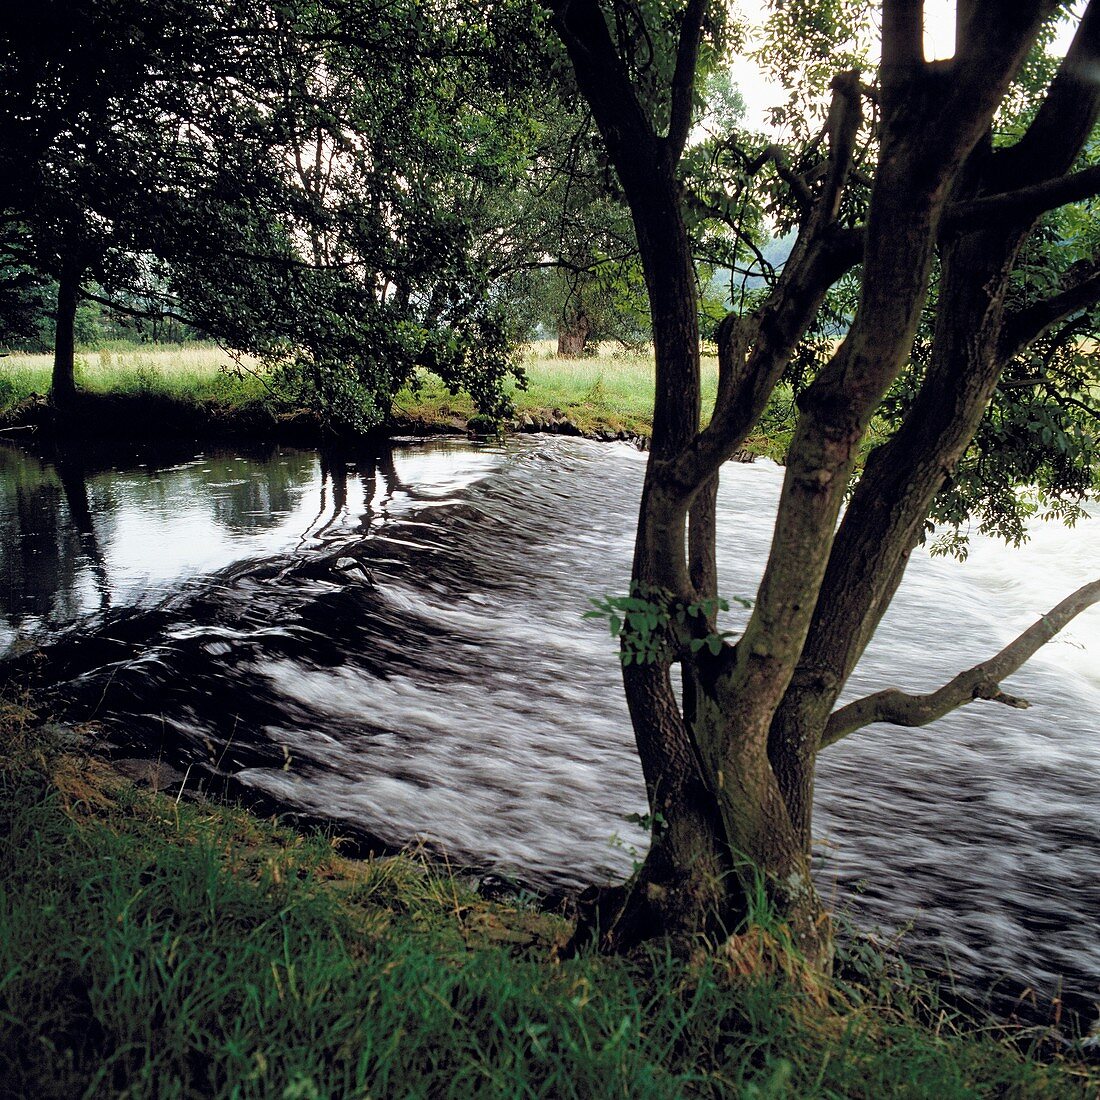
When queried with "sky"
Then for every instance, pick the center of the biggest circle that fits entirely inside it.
(939, 43)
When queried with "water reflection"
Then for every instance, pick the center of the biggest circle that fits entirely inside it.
(78, 535)
(41, 552)
(82, 532)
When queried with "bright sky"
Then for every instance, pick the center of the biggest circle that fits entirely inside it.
(939, 43)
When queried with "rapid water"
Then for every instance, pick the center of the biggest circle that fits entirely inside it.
(394, 644)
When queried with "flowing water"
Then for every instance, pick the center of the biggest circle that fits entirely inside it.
(393, 643)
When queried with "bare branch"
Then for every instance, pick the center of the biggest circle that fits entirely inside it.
(843, 125)
(980, 682)
(683, 79)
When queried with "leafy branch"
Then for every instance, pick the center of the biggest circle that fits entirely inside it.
(652, 625)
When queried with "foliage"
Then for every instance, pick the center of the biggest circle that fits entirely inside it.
(1036, 449)
(559, 243)
(651, 624)
(294, 189)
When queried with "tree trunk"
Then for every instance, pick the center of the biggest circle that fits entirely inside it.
(685, 886)
(573, 332)
(730, 788)
(63, 382)
(885, 517)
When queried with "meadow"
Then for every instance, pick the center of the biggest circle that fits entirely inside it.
(606, 394)
(199, 372)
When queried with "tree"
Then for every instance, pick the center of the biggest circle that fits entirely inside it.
(729, 767)
(398, 118)
(92, 132)
(564, 240)
(265, 173)
(559, 243)
(591, 283)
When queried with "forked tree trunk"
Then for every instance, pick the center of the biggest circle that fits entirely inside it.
(63, 380)
(730, 772)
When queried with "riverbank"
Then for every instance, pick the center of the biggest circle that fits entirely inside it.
(197, 391)
(152, 945)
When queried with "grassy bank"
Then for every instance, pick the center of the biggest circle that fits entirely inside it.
(151, 947)
(610, 392)
(608, 395)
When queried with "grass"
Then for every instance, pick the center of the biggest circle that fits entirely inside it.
(193, 372)
(612, 391)
(607, 394)
(154, 948)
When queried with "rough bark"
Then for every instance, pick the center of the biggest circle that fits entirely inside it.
(681, 887)
(927, 133)
(573, 333)
(886, 514)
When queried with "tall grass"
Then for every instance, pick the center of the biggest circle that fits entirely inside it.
(195, 372)
(611, 391)
(151, 948)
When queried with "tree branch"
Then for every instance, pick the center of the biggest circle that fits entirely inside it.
(822, 253)
(1027, 325)
(781, 323)
(604, 81)
(845, 115)
(1065, 399)
(980, 682)
(902, 40)
(138, 314)
(1027, 202)
(1064, 120)
(683, 78)
(776, 155)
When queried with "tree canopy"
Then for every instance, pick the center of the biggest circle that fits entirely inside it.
(289, 177)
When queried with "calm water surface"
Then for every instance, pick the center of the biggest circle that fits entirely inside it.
(394, 642)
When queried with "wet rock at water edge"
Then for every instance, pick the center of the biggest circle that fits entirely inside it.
(156, 775)
(483, 426)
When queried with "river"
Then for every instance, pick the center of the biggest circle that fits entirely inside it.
(393, 642)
